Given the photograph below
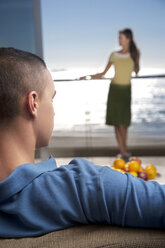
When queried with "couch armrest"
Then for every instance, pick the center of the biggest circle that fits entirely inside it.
(92, 236)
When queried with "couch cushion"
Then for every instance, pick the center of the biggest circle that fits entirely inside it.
(92, 236)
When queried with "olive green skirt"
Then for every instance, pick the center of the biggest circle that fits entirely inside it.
(119, 105)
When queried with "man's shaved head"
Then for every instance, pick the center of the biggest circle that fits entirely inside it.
(20, 73)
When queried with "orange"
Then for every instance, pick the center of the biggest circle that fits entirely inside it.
(119, 163)
(141, 169)
(136, 159)
(126, 167)
(133, 166)
(134, 173)
(151, 171)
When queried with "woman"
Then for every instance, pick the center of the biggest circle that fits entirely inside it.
(118, 111)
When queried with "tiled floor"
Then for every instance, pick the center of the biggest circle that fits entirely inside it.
(159, 162)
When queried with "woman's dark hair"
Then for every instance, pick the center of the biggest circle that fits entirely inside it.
(20, 72)
(133, 48)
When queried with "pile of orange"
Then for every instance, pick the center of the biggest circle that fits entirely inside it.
(134, 167)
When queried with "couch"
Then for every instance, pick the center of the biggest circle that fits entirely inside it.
(100, 236)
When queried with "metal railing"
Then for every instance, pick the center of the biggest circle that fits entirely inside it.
(105, 78)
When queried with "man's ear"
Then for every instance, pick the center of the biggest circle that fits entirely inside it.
(32, 103)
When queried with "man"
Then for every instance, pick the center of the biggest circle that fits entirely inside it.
(40, 198)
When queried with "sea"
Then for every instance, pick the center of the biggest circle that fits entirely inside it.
(80, 105)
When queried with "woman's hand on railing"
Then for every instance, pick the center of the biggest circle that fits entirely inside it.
(95, 76)
(83, 78)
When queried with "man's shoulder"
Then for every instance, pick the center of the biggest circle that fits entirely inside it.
(84, 165)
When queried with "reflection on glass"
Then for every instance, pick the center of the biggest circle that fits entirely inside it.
(18, 24)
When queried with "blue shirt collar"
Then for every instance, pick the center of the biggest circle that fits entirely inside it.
(23, 175)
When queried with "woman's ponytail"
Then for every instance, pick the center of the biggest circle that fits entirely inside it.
(135, 54)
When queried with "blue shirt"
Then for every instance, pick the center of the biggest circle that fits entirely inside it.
(39, 198)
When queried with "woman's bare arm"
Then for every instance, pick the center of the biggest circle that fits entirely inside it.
(98, 75)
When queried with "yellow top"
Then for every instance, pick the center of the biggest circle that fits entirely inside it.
(124, 66)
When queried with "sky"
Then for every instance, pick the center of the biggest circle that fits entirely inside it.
(83, 33)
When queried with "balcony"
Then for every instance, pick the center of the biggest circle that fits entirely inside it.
(80, 113)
